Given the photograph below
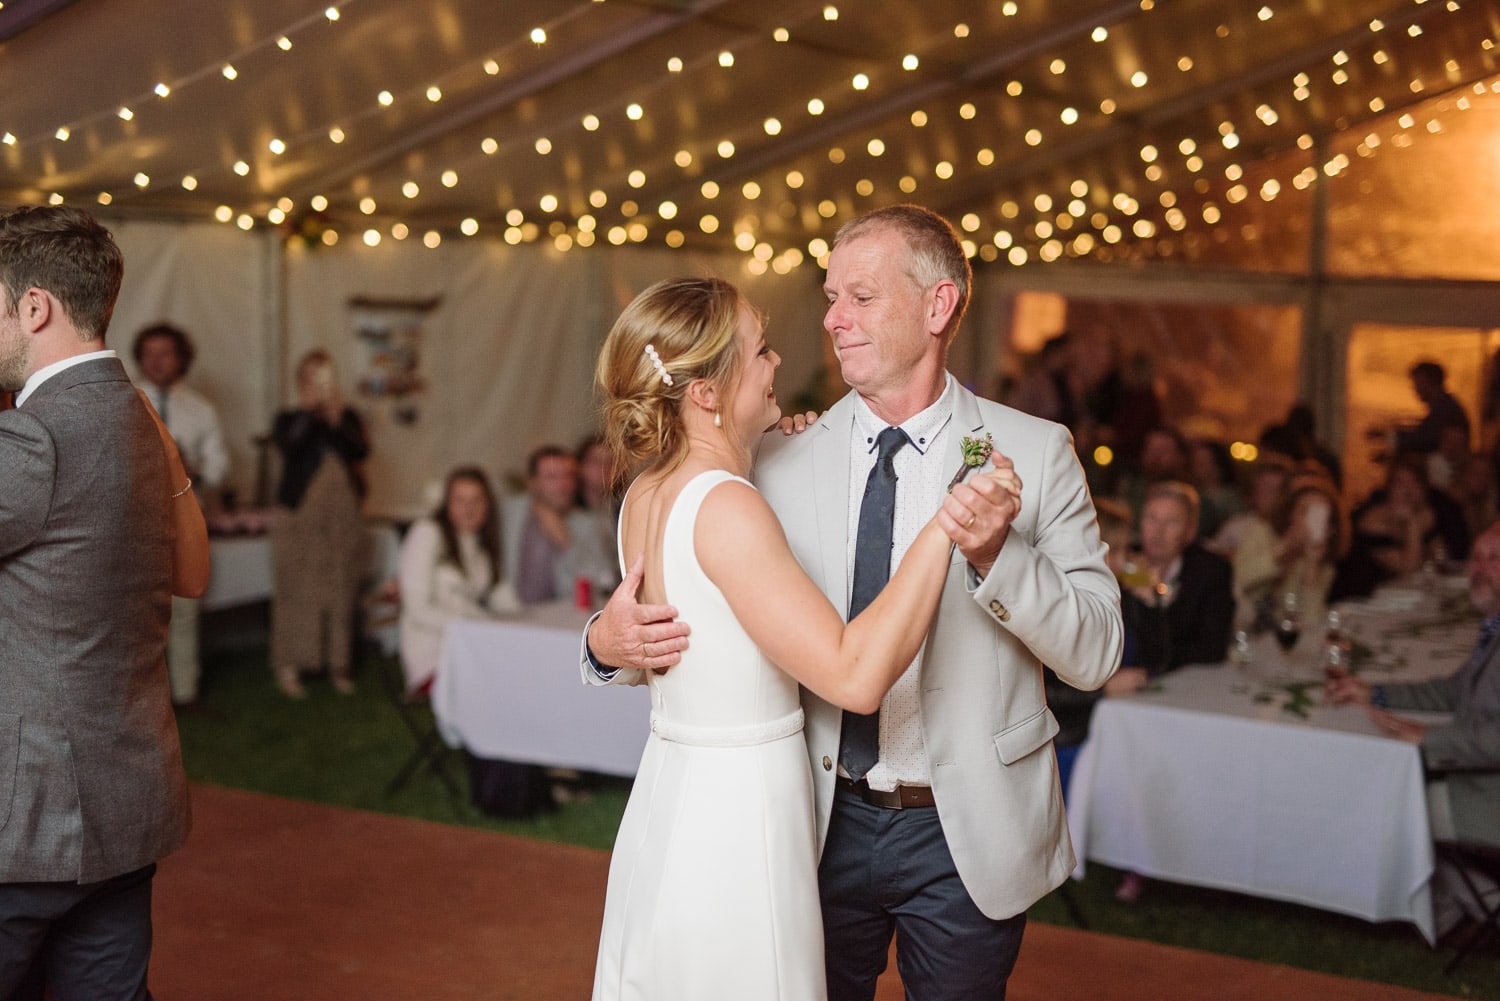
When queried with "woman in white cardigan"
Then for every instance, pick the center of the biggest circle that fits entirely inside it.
(450, 569)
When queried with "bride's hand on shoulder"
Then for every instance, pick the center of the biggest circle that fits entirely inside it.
(977, 513)
(797, 423)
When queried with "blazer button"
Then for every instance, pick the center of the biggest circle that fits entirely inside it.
(827, 763)
(1001, 612)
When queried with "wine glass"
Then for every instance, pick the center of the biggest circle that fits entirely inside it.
(1288, 628)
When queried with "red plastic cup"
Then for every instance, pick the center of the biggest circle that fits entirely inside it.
(583, 593)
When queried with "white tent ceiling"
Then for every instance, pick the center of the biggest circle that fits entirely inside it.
(698, 121)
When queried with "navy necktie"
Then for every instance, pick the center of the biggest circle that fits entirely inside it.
(859, 746)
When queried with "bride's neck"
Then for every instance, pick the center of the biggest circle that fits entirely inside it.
(714, 449)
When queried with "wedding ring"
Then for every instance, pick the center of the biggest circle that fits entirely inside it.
(972, 518)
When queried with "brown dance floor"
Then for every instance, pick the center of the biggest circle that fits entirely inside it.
(279, 900)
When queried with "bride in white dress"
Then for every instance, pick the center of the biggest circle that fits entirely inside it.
(713, 883)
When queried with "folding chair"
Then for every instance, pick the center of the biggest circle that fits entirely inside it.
(429, 753)
(1469, 857)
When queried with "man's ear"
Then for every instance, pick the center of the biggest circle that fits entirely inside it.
(35, 308)
(944, 302)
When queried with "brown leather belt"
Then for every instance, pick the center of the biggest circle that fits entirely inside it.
(899, 798)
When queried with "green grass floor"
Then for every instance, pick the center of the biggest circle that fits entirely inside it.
(344, 750)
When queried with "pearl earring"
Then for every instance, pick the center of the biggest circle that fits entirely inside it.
(718, 423)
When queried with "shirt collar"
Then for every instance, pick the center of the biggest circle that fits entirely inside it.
(922, 428)
(41, 375)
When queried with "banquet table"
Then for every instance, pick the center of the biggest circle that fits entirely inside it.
(510, 689)
(1240, 778)
(240, 565)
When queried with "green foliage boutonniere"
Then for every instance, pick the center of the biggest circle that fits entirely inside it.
(976, 453)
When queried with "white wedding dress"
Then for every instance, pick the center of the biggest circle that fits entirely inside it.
(713, 886)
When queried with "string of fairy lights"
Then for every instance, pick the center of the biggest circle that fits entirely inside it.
(1175, 193)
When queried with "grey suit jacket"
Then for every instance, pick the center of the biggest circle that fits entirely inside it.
(986, 726)
(91, 779)
(586, 556)
(1466, 750)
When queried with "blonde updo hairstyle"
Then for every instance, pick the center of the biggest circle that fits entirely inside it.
(690, 323)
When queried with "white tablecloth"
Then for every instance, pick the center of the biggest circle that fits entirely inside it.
(1199, 783)
(239, 566)
(510, 689)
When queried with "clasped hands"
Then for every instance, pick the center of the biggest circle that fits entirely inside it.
(976, 514)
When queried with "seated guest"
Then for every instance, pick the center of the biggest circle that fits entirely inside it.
(1211, 471)
(1474, 491)
(1183, 614)
(544, 549)
(1297, 561)
(1464, 753)
(1164, 456)
(597, 505)
(450, 569)
(1399, 528)
(1180, 615)
(1267, 493)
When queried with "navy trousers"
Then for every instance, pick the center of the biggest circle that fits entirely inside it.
(886, 872)
(84, 942)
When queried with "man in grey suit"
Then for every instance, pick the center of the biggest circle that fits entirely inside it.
(1463, 754)
(958, 827)
(92, 791)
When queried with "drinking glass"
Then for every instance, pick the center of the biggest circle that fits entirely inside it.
(1288, 629)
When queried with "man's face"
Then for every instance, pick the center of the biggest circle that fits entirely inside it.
(160, 362)
(877, 316)
(1484, 572)
(1165, 530)
(1160, 456)
(15, 349)
(555, 482)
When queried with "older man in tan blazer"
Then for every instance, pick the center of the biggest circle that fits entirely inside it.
(958, 827)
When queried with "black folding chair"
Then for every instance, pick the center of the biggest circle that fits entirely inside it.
(428, 753)
(1469, 858)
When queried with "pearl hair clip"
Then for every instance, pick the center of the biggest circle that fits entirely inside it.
(661, 369)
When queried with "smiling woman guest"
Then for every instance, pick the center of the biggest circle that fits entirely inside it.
(450, 569)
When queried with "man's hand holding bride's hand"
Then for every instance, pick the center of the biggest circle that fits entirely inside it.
(631, 635)
(978, 512)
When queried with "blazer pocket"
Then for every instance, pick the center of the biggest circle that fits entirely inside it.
(1020, 739)
(10, 763)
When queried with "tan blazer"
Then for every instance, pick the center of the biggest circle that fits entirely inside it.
(91, 779)
(1049, 599)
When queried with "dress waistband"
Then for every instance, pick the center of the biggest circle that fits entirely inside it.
(728, 736)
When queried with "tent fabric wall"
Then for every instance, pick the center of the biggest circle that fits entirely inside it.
(508, 351)
(212, 282)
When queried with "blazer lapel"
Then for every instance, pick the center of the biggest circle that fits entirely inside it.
(967, 423)
(830, 477)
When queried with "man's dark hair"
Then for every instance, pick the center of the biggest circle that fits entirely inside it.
(1429, 370)
(65, 252)
(545, 452)
(180, 341)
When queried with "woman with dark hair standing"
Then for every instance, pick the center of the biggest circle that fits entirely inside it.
(315, 535)
(450, 569)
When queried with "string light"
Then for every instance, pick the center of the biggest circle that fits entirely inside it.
(1229, 138)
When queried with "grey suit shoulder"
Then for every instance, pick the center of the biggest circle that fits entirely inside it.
(91, 778)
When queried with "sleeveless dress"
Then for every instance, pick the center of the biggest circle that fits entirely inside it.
(713, 885)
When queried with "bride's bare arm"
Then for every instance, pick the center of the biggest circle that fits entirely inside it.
(742, 548)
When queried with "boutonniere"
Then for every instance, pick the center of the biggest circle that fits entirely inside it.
(976, 453)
